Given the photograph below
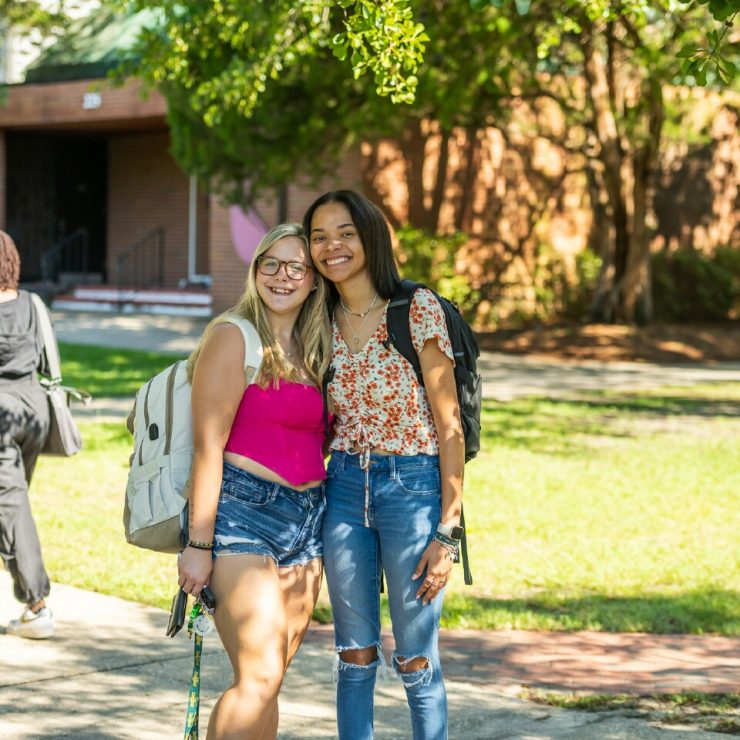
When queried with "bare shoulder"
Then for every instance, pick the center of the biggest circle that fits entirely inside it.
(224, 345)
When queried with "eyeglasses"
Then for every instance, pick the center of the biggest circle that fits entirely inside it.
(271, 266)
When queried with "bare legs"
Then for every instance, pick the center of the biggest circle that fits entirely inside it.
(262, 614)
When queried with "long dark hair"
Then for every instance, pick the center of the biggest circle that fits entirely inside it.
(374, 235)
(10, 263)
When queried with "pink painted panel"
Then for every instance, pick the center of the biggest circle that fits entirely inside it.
(246, 231)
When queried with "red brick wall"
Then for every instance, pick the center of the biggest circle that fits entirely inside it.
(147, 190)
(227, 270)
(3, 180)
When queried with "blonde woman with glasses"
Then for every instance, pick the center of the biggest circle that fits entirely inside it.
(257, 495)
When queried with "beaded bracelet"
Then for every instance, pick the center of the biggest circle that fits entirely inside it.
(197, 545)
(444, 539)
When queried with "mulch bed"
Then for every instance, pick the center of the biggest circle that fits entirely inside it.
(673, 343)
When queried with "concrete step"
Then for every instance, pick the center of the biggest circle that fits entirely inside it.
(107, 298)
(186, 296)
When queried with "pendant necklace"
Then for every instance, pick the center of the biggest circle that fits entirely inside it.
(363, 316)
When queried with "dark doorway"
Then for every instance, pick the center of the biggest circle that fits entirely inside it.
(57, 190)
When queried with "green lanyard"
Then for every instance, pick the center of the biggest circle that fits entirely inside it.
(191, 719)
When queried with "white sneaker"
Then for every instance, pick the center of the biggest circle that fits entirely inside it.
(38, 626)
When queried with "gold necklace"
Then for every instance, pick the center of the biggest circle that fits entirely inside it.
(347, 312)
(364, 313)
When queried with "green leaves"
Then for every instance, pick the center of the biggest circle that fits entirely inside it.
(698, 60)
(385, 41)
(712, 58)
(27, 16)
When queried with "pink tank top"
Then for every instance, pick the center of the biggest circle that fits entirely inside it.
(282, 429)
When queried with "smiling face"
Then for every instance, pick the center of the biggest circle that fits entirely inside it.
(336, 247)
(281, 294)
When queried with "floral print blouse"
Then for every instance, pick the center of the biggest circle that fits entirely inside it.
(378, 402)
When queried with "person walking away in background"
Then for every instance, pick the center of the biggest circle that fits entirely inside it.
(24, 424)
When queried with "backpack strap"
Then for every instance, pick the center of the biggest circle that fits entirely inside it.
(51, 349)
(467, 575)
(170, 410)
(253, 350)
(328, 377)
(399, 330)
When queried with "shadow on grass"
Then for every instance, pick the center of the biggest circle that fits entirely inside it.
(663, 405)
(696, 612)
(563, 426)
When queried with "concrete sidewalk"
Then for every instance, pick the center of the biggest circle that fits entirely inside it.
(111, 673)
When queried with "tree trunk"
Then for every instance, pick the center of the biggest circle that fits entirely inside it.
(370, 172)
(467, 178)
(635, 284)
(440, 183)
(414, 148)
(607, 303)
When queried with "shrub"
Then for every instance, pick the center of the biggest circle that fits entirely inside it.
(691, 286)
(588, 269)
(728, 258)
(430, 259)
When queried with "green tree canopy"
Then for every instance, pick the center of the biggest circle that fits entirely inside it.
(262, 93)
(27, 15)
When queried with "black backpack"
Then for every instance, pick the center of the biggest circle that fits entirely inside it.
(467, 378)
(464, 348)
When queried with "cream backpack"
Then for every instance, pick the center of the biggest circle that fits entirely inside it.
(161, 422)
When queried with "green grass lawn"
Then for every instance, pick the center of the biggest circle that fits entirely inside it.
(617, 513)
(606, 512)
(104, 371)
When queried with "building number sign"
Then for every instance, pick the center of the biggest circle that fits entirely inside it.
(91, 100)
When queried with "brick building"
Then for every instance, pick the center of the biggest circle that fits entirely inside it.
(89, 191)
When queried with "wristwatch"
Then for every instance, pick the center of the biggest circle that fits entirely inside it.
(453, 531)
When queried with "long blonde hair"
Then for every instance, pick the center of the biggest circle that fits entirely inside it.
(312, 330)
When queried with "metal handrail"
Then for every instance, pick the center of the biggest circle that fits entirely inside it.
(69, 254)
(141, 265)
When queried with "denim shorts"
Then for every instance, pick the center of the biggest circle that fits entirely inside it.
(257, 516)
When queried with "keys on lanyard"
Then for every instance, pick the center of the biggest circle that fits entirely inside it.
(201, 615)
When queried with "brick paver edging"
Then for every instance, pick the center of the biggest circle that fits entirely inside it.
(597, 662)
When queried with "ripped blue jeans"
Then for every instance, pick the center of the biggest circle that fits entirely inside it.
(403, 510)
